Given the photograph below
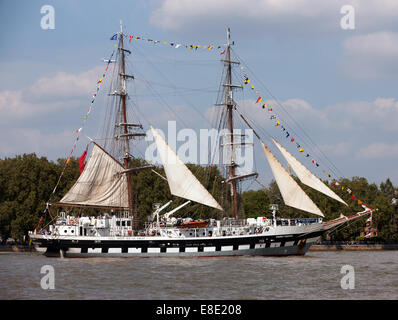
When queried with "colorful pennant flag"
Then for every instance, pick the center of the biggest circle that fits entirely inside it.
(82, 159)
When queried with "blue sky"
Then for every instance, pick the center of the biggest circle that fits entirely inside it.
(339, 85)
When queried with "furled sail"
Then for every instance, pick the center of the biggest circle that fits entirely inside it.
(101, 184)
(291, 192)
(306, 176)
(181, 181)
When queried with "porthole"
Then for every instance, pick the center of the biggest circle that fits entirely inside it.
(65, 231)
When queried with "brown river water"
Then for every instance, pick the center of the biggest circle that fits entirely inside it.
(317, 275)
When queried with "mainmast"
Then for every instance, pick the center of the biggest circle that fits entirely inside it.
(229, 104)
(232, 178)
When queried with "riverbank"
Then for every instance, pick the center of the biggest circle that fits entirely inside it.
(16, 248)
(353, 247)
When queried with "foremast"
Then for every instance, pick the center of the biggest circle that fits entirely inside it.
(123, 95)
(122, 122)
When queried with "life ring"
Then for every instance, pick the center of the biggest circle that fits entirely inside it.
(72, 221)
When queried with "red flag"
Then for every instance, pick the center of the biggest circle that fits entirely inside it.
(41, 218)
(222, 52)
(82, 159)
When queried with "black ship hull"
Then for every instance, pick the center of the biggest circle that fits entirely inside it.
(167, 247)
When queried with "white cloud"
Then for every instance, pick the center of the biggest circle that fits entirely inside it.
(380, 150)
(380, 114)
(310, 16)
(339, 149)
(350, 134)
(64, 85)
(27, 114)
(371, 56)
(48, 94)
(27, 140)
(336, 128)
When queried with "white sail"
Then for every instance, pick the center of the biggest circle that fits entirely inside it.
(100, 184)
(291, 192)
(306, 176)
(181, 181)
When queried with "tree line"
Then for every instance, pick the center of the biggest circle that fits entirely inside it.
(27, 182)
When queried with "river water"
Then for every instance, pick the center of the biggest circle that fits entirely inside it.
(317, 275)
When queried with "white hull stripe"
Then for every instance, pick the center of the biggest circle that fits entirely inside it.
(105, 248)
(175, 249)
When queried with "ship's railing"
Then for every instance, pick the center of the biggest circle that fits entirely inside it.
(233, 223)
(296, 221)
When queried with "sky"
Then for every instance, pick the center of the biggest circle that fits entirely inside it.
(334, 87)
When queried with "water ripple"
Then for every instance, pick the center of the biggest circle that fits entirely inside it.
(314, 276)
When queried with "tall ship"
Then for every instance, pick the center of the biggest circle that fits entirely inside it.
(106, 181)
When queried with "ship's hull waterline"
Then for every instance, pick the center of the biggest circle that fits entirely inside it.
(166, 247)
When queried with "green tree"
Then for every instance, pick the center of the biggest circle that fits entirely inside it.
(26, 184)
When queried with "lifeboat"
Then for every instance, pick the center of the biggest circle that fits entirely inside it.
(194, 224)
